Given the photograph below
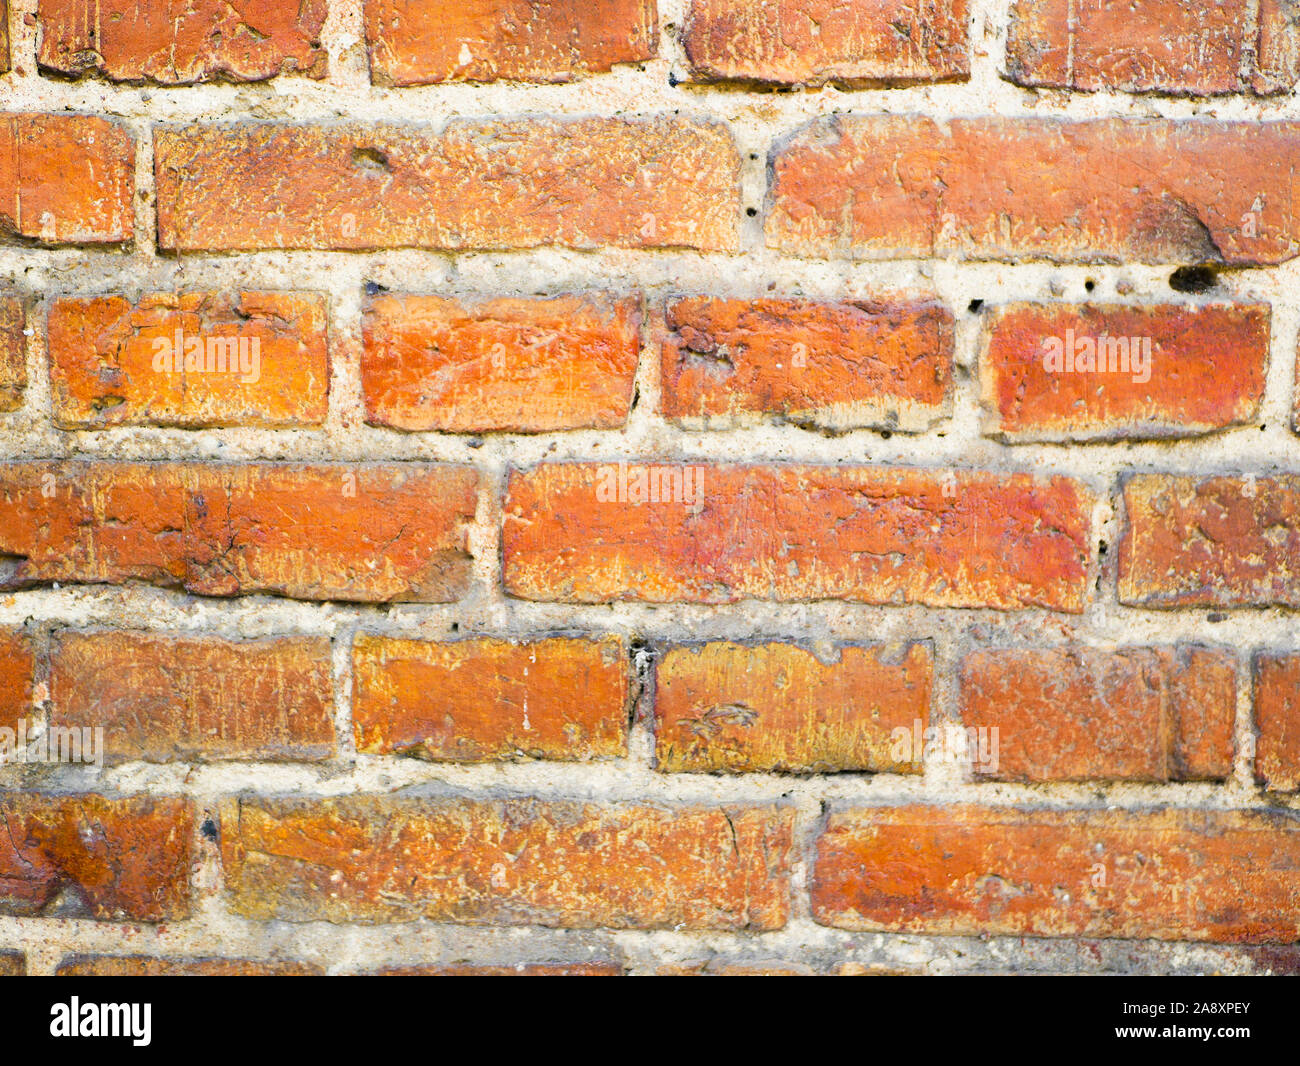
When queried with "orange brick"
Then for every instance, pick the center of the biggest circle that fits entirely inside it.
(507, 862)
(418, 42)
(595, 533)
(189, 359)
(486, 699)
(13, 353)
(507, 183)
(779, 707)
(91, 200)
(1277, 717)
(839, 366)
(164, 698)
(17, 669)
(179, 42)
(855, 43)
(170, 966)
(4, 36)
(111, 859)
(366, 533)
(1210, 542)
(964, 870)
(1080, 714)
(12, 963)
(512, 364)
(1168, 46)
(1150, 190)
(1106, 372)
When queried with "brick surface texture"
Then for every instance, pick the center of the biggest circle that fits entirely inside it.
(649, 487)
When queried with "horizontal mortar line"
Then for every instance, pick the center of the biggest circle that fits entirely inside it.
(629, 782)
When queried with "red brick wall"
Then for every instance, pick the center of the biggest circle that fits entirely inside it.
(683, 487)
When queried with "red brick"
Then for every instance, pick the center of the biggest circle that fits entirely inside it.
(109, 859)
(790, 533)
(1150, 190)
(778, 707)
(1210, 542)
(1182, 370)
(179, 42)
(507, 862)
(511, 365)
(1277, 717)
(1226, 876)
(91, 200)
(13, 353)
(17, 671)
(418, 42)
(12, 963)
(366, 533)
(1080, 714)
(165, 698)
(532, 969)
(1168, 46)
(171, 966)
(116, 362)
(854, 43)
(507, 183)
(486, 699)
(839, 366)
(1277, 62)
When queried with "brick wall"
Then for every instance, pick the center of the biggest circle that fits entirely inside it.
(803, 486)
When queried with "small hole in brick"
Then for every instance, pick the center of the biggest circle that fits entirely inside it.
(672, 80)
(1215, 616)
(209, 829)
(373, 288)
(751, 211)
(371, 159)
(455, 627)
(975, 307)
(1101, 547)
(1193, 279)
(1089, 285)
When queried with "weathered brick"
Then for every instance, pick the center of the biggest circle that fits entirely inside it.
(13, 353)
(189, 359)
(1226, 876)
(1167, 46)
(90, 202)
(723, 533)
(834, 365)
(17, 671)
(96, 857)
(508, 862)
(503, 183)
(4, 37)
(1210, 542)
(1079, 714)
(165, 698)
(854, 43)
(418, 42)
(779, 707)
(531, 969)
(510, 364)
(172, 966)
(484, 699)
(1111, 371)
(12, 963)
(367, 532)
(1277, 717)
(1148, 190)
(179, 42)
